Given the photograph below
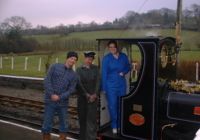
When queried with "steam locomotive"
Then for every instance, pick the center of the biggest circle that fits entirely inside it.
(151, 109)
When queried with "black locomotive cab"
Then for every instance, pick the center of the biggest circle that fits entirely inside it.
(150, 110)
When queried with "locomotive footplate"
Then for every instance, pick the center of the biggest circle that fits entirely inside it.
(108, 135)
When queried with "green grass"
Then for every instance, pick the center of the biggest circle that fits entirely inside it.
(189, 56)
(32, 66)
(33, 62)
(190, 39)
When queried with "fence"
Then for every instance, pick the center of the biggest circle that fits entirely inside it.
(25, 65)
(27, 62)
(36, 64)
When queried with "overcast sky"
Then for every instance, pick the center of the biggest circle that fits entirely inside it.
(54, 12)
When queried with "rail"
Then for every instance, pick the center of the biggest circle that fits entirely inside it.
(33, 105)
(30, 105)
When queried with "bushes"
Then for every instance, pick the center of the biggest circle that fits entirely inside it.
(17, 46)
(75, 44)
(187, 70)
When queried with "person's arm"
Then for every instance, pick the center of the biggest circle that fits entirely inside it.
(80, 86)
(104, 73)
(47, 81)
(71, 88)
(127, 67)
(97, 81)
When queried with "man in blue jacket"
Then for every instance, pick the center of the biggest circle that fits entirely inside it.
(59, 83)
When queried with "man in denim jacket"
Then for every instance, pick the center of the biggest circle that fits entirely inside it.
(59, 83)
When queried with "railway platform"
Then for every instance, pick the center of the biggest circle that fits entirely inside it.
(14, 131)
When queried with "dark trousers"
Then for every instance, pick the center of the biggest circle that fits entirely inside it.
(87, 113)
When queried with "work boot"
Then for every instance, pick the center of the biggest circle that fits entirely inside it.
(46, 136)
(62, 136)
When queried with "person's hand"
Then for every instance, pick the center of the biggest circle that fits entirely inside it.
(92, 98)
(88, 96)
(55, 97)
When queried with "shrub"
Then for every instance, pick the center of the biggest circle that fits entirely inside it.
(187, 70)
(18, 46)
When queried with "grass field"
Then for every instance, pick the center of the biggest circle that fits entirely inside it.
(190, 39)
(33, 62)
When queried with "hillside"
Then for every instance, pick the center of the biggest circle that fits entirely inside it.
(190, 39)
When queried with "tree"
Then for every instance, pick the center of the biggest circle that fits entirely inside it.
(196, 13)
(11, 36)
(13, 26)
(187, 19)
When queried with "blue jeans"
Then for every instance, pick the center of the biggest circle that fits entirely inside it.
(49, 113)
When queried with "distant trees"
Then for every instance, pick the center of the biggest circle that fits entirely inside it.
(13, 30)
(11, 39)
(12, 27)
(191, 17)
(196, 14)
(160, 18)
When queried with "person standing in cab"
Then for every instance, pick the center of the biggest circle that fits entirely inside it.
(88, 92)
(59, 84)
(115, 66)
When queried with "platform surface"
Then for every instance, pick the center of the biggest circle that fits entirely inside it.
(13, 131)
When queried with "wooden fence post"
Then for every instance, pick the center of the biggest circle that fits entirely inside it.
(1, 62)
(12, 62)
(197, 71)
(25, 63)
(74, 67)
(56, 59)
(39, 65)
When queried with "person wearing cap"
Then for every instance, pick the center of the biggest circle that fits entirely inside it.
(115, 66)
(59, 83)
(88, 92)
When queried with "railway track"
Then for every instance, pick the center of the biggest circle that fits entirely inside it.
(31, 105)
(30, 112)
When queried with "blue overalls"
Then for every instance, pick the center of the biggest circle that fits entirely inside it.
(113, 83)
